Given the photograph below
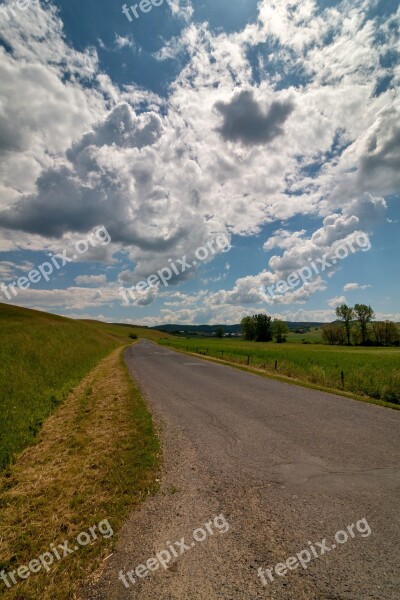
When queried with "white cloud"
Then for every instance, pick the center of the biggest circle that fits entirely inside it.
(182, 9)
(165, 175)
(334, 302)
(217, 171)
(44, 106)
(10, 270)
(284, 239)
(352, 287)
(71, 298)
(124, 41)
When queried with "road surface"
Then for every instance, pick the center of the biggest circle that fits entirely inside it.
(285, 467)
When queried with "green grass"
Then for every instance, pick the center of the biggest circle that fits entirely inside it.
(124, 330)
(314, 336)
(370, 372)
(97, 457)
(42, 357)
(90, 448)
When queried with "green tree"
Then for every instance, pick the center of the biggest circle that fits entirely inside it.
(391, 333)
(364, 315)
(356, 335)
(280, 331)
(386, 333)
(263, 326)
(219, 332)
(346, 314)
(248, 328)
(334, 333)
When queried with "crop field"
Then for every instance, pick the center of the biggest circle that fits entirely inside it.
(370, 372)
(313, 336)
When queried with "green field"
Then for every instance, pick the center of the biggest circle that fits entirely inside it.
(370, 372)
(42, 357)
(313, 336)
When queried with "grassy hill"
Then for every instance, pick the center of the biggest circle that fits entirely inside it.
(123, 330)
(42, 357)
(95, 458)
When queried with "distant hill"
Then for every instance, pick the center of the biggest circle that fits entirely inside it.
(197, 328)
(203, 329)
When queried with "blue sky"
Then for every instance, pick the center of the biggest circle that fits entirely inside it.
(271, 125)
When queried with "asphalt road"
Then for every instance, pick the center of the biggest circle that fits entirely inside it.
(286, 467)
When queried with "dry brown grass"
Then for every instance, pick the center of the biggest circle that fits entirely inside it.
(95, 459)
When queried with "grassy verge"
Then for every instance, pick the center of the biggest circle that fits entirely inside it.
(371, 374)
(96, 458)
(42, 358)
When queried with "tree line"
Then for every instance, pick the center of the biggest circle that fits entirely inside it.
(356, 326)
(261, 328)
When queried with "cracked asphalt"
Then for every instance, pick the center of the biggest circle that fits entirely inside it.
(286, 466)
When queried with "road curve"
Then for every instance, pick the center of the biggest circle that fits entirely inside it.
(285, 466)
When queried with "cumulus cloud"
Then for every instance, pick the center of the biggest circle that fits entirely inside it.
(336, 232)
(245, 121)
(45, 105)
(122, 128)
(370, 211)
(299, 252)
(380, 162)
(159, 173)
(284, 239)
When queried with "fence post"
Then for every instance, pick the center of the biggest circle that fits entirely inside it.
(342, 378)
(248, 359)
(276, 365)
